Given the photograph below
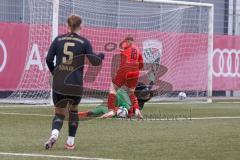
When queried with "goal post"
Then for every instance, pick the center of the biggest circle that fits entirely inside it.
(55, 15)
(180, 32)
(185, 3)
(210, 51)
(210, 36)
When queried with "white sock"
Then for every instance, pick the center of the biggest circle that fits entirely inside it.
(70, 140)
(55, 133)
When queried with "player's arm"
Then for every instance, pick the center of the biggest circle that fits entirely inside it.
(94, 59)
(109, 114)
(50, 56)
(140, 61)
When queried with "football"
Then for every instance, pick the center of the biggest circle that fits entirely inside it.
(122, 112)
(182, 96)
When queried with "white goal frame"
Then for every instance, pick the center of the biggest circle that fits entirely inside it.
(55, 15)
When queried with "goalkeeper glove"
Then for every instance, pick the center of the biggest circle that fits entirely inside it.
(101, 56)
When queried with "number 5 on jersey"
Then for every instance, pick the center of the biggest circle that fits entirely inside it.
(68, 53)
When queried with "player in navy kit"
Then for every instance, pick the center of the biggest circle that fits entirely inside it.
(70, 50)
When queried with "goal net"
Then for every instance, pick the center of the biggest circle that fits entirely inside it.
(175, 39)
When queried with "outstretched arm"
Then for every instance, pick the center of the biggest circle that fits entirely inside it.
(94, 59)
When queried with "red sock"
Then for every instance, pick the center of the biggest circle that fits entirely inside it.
(111, 101)
(130, 112)
(83, 114)
(134, 101)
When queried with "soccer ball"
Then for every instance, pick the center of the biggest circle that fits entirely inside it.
(122, 112)
(182, 96)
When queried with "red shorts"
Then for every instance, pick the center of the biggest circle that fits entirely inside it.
(123, 79)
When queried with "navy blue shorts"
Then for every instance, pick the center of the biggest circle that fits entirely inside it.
(61, 100)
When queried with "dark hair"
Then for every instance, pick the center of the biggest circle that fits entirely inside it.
(74, 22)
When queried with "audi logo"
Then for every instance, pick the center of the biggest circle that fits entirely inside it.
(226, 63)
(3, 47)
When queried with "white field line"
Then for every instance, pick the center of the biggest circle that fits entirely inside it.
(147, 119)
(188, 102)
(50, 156)
(202, 118)
(179, 119)
(45, 106)
(26, 114)
(25, 106)
(176, 103)
(229, 102)
(192, 118)
(95, 104)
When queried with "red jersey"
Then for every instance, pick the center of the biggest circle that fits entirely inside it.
(131, 63)
(131, 59)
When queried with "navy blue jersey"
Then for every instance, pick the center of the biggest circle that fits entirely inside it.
(70, 51)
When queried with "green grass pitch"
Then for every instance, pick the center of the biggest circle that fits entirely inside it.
(165, 139)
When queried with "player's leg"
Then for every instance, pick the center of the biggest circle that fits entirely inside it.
(60, 103)
(114, 86)
(99, 110)
(131, 84)
(95, 112)
(112, 109)
(133, 100)
(116, 83)
(73, 122)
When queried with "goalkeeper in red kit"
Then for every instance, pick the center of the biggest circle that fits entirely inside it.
(127, 74)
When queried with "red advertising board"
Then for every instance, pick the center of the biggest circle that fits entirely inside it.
(13, 51)
(22, 57)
